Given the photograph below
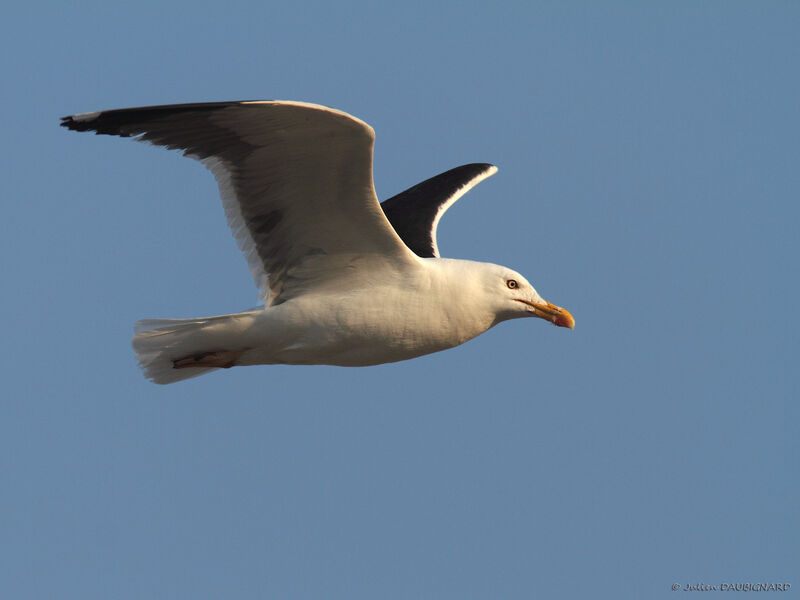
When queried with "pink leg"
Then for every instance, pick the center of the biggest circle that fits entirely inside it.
(223, 359)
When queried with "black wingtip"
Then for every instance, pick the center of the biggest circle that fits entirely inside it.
(70, 122)
(91, 122)
(116, 122)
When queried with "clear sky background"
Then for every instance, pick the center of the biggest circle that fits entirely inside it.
(649, 181)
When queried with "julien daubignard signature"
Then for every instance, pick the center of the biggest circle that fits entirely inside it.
(732, 587)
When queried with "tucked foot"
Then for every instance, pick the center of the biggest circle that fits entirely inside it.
(223, 359)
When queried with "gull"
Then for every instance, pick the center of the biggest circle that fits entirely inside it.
(343, 279)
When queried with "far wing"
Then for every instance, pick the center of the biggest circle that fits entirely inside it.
(295, 178)
(415, 213)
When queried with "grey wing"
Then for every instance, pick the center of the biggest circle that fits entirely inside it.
(295, 178)
(415, 213)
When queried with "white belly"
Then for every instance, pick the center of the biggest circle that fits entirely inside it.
(361, 329)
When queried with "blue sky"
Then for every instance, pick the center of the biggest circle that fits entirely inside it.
(649, 182)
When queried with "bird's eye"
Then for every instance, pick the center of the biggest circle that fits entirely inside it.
(512, 284)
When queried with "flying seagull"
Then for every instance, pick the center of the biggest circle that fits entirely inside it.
(344, 280)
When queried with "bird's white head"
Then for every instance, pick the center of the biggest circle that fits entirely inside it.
(514, 297)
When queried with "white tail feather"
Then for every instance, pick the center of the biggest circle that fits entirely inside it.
(160, 342)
